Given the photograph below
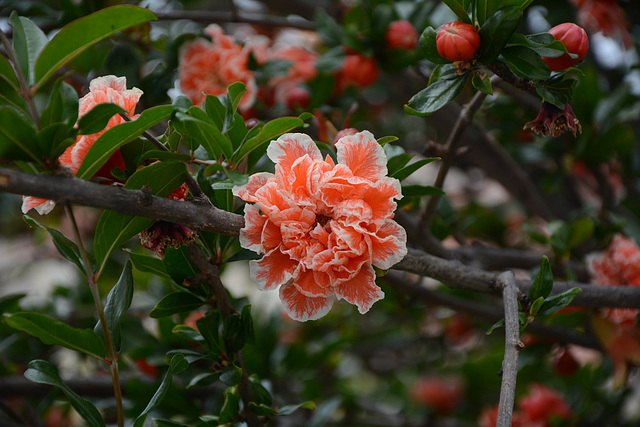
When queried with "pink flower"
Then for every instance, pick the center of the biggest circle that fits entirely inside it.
(323, 225)
(302, 70)
(619, 265)
(543, 403)
(210, 67)
(101, 90)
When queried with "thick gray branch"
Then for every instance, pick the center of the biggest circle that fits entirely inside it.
(512, 348)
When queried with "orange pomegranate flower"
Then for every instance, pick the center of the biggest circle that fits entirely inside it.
(209, 67)
(323, 225)
(103, 89)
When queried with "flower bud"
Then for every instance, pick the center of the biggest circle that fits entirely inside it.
(401, 35)
(457, 41)
(575, 40)
(360, 70)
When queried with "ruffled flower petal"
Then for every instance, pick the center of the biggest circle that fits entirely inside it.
(273, 270)
(363, 155)
(302, 308)
(290, 147)
(256, 181)
(42, 206)
(313, 284)
(251, 233)
(388, 245)
(362, 290)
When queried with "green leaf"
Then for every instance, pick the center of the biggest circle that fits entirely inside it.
(28, 42)
(119, 135)
(204, 379)
(97, 118)
(82, 33)
(262, 410)
(235, 177)
(405, 172)
(62, 107)
(482, 83)
(290, 409)
(175, 302)
(161, 392)
(458, 9)
(215, 110)
(113, 229)
(581, 230)
(230, 407)
(428, 46)
(235, 92)
(231, 375)
(148, 264)
(526, 63)
(535, 306)
(66, 247)
(247, 323)
(18, 140)
(209, 327)
(7, 73)
(435, 96)
(179, 265)
(269, 132)
(43, 372)
(187, 333)
(544, 44)
(384, 140)
(559, 301)
(543, 283)
(496, 31)
(486, 8)
(52, 331)
(498, 324)
(118, 301)
(207, 133)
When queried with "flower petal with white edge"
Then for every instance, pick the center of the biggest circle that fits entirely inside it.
(361, 290)
(363, 155)
(290, 147)
(302, 308)
(251, 233)
(247, 191)
(388, 245)
(42, 206)
(273, 270)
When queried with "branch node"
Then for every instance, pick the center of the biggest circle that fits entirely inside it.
(147, 195)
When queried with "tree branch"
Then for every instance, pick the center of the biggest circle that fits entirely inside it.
(512, 347)
(207, 16)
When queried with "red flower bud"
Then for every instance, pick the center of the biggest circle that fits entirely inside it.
(575, 40)
(360, 70)
(565, 364)
(401, 35)
(457, 41)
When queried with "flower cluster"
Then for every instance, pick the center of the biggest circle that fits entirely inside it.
(101, 90)
(537, 409)
(619, 265)
(208, 67)
(324, 225)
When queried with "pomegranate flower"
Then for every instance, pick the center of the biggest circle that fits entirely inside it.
(554, 121)
(323, 225)
(103, 89)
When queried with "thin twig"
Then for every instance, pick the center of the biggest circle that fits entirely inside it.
(24, 86)
(512, 347)
(206, 16)
(112, 357)
(466, 115)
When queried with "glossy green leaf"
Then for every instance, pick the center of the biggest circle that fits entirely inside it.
(7, 73)
(544, 44)
(43, 372)
(384, 140)
(207, 134)
(498, 324)
(68, 249)
(526, 63)
(559, 301)
(496, 31)
(117, 136)
(28, 42)
(421, 190)
(18, 140)
(215, 110)
(269, 132)
(209, 327)
(204, 379)
(290, 409)
(161, 392)
(406, 171)
(231, 375)
(52, 331)
(62, 107)
(118, 301)
(535, 306)
(179, 265)
(148, 264)
(486, 8)
(543, 282)
(235, 92)
(82, 33)
(187, 333)
(230, 407)
(97, 118)
(175, 302)
(113, 229)
(435, 96)
(262, 409)
(482, 83)
(457, 7)
(428, 46)
(395, 163)
(11, 97)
